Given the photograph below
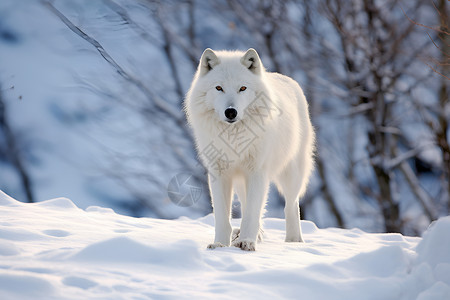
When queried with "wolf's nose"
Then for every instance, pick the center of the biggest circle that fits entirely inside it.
(230, 113)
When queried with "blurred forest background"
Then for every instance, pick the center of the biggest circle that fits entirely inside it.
(91, 99)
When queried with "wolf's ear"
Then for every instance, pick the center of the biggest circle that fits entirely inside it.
(252, 62)
(208, 61)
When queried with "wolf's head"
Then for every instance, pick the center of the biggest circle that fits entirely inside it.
(228, 82)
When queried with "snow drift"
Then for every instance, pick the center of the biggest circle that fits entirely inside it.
(54, 250)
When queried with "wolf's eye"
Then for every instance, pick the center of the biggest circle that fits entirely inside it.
(243, 88)
(219, 88)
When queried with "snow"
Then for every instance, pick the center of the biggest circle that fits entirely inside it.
(54, 250)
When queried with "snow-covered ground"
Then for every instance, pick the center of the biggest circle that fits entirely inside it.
(54, 250)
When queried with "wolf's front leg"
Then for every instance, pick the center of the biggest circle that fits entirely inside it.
(257, 187)
(220, 188)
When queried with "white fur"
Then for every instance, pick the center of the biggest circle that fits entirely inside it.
(271, 141)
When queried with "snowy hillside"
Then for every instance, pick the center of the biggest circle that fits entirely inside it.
(54, 250)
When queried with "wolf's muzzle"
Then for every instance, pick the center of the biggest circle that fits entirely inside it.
(231, 114)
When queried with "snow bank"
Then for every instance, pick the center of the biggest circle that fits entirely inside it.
(54, 250)
(122, 249)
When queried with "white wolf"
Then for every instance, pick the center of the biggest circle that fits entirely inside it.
(251, 128)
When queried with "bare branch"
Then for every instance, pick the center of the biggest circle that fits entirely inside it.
(436, 71)
(161, 104)
(414, 184)
(422, 25)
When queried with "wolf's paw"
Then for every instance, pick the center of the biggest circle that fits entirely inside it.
(237, 231)
(294, 239)
(215, 245)
(245, 245)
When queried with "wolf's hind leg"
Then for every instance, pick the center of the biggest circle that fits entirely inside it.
(290, 184)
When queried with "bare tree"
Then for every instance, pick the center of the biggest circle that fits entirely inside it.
(436, 117)
(376, 55)
(149, 106)
(11, 151)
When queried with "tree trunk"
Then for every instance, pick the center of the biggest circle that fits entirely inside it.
(13, 153)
